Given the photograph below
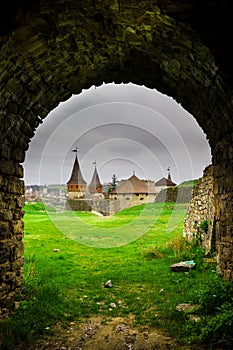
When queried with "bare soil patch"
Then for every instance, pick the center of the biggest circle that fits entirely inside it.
(98, 334)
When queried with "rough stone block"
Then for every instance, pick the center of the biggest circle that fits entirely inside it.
(5, 232)
(183, 266)
(6, 215)
(19, 170)
(7, 167)
(20, 200)
(18, 214)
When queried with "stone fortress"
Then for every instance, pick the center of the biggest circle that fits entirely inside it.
(52, 49)
(127, 193)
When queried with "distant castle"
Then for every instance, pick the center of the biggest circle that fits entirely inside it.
(77, 186)
(132, 191)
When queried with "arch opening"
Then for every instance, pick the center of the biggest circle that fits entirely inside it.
(45, 61)
(125, 130)
(97, 119)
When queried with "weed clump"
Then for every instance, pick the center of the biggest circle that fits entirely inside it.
(181, 249)
(152, 253)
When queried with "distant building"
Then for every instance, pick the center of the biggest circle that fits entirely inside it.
(76, 184)
(134, 191)
(164, 183)
(130, 192)
(95, 185)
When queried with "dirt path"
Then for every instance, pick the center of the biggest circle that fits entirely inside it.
(115, 334)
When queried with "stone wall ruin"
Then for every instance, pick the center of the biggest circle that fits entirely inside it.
(199, 225)
(51, 50)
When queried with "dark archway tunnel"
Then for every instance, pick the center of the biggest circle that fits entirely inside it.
(51, 50)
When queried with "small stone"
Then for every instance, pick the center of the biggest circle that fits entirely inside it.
(121, 327)
(17, 305)
(113, 305)
(108, 284)
(56, 250)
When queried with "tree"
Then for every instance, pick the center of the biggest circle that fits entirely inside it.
(113, 184)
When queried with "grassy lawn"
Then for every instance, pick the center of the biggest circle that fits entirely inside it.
(134, 249)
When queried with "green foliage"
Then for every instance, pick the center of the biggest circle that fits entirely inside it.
(218, 328)
(213, 294)
(214, 298)
(67, 285)
(40, 306)
(204, 225)
(113, 184)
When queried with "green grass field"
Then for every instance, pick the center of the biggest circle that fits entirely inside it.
(134, 249)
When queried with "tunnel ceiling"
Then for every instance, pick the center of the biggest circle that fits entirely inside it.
(53, 49)
(210, 18)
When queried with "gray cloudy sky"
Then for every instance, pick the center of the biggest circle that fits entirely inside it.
(124, 128)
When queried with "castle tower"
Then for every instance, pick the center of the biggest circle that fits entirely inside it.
(76, 184)
(95, 185)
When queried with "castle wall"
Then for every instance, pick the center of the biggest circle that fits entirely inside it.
(130, 200)
(76, 195)
(199, 225)
(109, 206)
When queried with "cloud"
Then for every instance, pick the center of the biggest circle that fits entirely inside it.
(122, 127)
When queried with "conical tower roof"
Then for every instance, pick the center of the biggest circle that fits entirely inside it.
(76, 176)
(165, 182)
(95, 184)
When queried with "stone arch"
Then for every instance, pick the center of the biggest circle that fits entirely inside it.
(60, 48)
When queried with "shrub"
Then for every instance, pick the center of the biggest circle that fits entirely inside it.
(213, 294)
(178, 248)
(215, 300)
(219, 327)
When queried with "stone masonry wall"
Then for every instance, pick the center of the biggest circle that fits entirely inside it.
(63, 47)
(112, 206)
(223, 193)
(199, 225)
(11, 233)
(105, 206)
